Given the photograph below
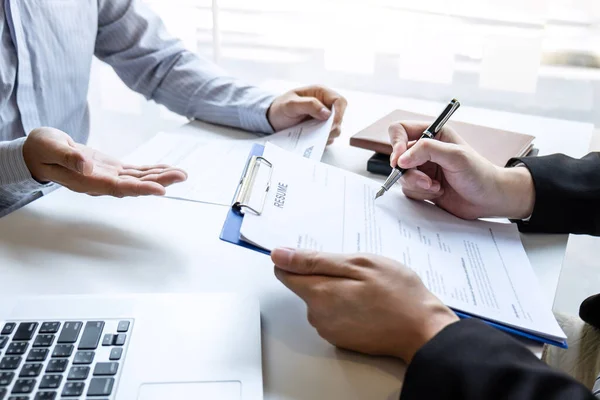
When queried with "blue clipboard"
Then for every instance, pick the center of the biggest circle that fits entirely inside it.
(514, 331)
(231, 233)
(233, 223)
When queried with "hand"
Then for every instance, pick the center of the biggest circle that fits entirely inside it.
(449, 173)
(52, 156)
(365, 303)
(295, 106)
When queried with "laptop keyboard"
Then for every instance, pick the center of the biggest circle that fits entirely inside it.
(48, 360)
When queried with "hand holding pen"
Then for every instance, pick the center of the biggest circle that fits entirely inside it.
(449, 173)
(428, 133)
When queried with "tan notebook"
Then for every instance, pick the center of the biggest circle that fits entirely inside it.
(496, 145)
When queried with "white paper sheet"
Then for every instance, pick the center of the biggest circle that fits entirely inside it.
(477, 267)
(214, 169)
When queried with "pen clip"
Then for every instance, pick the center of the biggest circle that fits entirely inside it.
(247, 183)
(439, 123)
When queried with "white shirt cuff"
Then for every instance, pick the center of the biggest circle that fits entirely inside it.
(14, 174)
(524, 166)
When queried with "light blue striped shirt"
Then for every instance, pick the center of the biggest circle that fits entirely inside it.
(46, 50)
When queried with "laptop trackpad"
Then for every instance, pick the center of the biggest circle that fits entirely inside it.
(191, 391)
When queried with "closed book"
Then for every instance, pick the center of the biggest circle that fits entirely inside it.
(496, 145)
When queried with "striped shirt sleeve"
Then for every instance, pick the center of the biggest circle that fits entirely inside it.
(15, 178)
(133, 40)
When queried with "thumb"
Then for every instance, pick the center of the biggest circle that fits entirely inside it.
(304, 262)
(399, 142)
(447, 155)
(310, 106)
(71, 158)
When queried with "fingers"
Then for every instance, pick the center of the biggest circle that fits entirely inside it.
(314, 101)
(418, 181)
(161, 174)
(336, 128)
(339, 105)
(145, 167)
(414, 130)
(422, 195)
(401, 133)
(310, 106)
(334, 134)
(126, 187)
(332, 100)
(166, 178)
(115, 186)
(119, 187)
(143, 173)
(327, 96)
(136, 173)
(302, 285)
(399, 141)
(304, 262)
(452, 157)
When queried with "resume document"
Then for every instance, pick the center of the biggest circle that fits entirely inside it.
(477, 267)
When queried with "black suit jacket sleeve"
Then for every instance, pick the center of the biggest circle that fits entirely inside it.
(567, 194)
(470, 361)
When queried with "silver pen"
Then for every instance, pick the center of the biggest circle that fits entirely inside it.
(429, 133)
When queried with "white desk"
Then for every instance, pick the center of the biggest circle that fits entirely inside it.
(69, 243)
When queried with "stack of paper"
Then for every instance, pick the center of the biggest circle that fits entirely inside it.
(214, 169)
(476, 267)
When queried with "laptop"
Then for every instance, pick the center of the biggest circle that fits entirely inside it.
(144, 347)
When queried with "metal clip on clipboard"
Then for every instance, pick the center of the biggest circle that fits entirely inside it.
(247, 183)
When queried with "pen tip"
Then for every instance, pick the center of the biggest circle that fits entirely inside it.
(380, 193)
